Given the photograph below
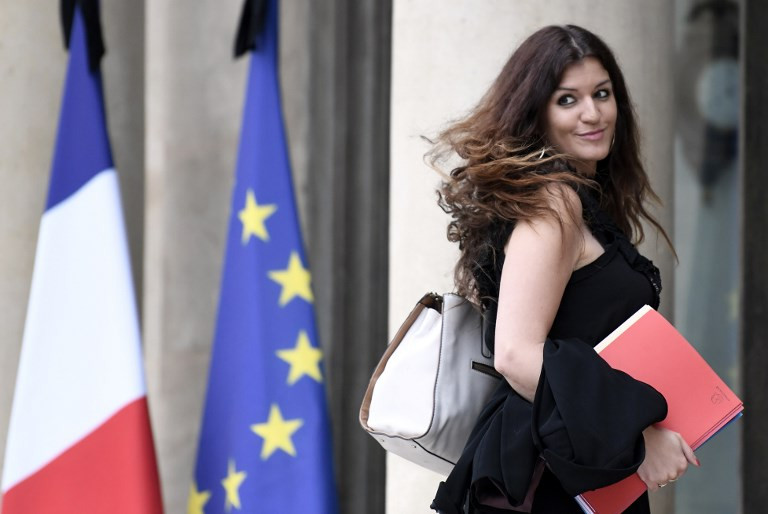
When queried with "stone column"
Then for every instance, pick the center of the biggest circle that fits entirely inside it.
(346, 230)
(194, 96)
(32, 65)
(443, 61)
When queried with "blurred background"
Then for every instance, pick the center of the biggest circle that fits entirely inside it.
(362, 81)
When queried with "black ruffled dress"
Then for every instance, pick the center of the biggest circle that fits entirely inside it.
(584, 428)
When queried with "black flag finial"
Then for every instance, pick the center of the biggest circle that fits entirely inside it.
(92, 21)
(252, 22)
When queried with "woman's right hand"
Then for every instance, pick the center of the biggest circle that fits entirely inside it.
(667, 456)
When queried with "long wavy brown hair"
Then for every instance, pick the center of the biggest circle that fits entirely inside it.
(503, 173)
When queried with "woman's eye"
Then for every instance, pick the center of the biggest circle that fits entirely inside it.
(603, 93)
(566, 100)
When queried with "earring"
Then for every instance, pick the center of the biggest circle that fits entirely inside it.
(541, 155)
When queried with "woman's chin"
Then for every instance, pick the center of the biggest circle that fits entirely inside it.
(594, 156)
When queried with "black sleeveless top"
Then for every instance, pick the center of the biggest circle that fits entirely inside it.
(604, 293)
(597, 299)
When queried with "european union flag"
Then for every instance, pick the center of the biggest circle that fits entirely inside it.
(265, 442)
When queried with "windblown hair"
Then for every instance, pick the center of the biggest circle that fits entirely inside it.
(503, 177)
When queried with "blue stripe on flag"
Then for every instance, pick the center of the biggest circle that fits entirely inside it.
(82, 145)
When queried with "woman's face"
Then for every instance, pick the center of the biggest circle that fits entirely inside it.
(581, 114)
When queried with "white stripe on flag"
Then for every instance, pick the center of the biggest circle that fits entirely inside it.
(80, 358)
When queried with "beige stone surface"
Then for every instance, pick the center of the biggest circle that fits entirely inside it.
(194, 93)
(445, 55)
(31, 73)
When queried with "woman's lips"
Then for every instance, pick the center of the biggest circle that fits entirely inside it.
(592, 136)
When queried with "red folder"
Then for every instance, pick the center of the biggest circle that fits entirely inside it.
(651, 350)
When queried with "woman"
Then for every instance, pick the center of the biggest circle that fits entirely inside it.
(544, 207)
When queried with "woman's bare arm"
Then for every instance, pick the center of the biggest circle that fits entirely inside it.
(541, 254)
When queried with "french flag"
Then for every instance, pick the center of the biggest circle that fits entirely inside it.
(79, 439)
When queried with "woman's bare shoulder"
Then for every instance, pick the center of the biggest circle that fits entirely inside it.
(562, 201)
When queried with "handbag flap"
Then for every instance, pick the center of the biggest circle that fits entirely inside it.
(404, 396)
(429, 302)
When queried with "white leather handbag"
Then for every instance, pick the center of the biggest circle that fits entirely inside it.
(430, 385)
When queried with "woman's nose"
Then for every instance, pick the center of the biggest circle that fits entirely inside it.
(590, 113)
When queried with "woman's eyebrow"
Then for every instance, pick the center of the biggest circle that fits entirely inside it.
(562, 88)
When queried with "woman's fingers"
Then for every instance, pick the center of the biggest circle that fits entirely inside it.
(651, 485)
(667, 458)
(689, 455)
(649, 482)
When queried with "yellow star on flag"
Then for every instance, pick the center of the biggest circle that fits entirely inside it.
(253, 216)
(232, 485)
(197, 500)
(294, 279)
(303, 358)
(277, 433)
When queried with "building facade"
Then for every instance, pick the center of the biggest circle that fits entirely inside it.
(362, 82)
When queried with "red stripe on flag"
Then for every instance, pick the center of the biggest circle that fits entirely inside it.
(111, 470)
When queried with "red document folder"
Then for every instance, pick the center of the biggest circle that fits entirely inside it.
(651, 350)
